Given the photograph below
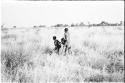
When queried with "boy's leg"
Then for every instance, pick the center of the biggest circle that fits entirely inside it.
(55, 49)
(63, 50)
(58, 49)
(69, 50)
(66, 49)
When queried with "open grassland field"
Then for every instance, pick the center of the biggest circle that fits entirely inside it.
(97, 55)
(70, 0)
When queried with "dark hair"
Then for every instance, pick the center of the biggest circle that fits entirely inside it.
(54, 37)
(62, 39)
(66, 29)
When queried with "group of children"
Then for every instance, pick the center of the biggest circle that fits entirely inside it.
(64, 44)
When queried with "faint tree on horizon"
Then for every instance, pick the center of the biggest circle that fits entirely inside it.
(14, 27)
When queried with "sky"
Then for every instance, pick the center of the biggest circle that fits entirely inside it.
(30, 13)
(62, 0)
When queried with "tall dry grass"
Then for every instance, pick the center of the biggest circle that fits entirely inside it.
(98, 56)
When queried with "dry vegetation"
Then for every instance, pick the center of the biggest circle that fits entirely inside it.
(98, 55)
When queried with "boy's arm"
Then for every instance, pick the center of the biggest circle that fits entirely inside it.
(52, 51)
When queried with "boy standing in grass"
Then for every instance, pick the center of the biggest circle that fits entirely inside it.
(67, 38)
(57, 44)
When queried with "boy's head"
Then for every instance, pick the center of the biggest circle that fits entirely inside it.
(63, 41)
(54, 37)
(66, 29)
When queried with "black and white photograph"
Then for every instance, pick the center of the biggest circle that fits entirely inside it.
(45, 41)
(63, 0)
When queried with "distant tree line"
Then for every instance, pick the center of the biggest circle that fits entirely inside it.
(40, 26)
(82, 24)
(103, 23)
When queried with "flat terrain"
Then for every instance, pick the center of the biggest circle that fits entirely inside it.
(97, 55)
